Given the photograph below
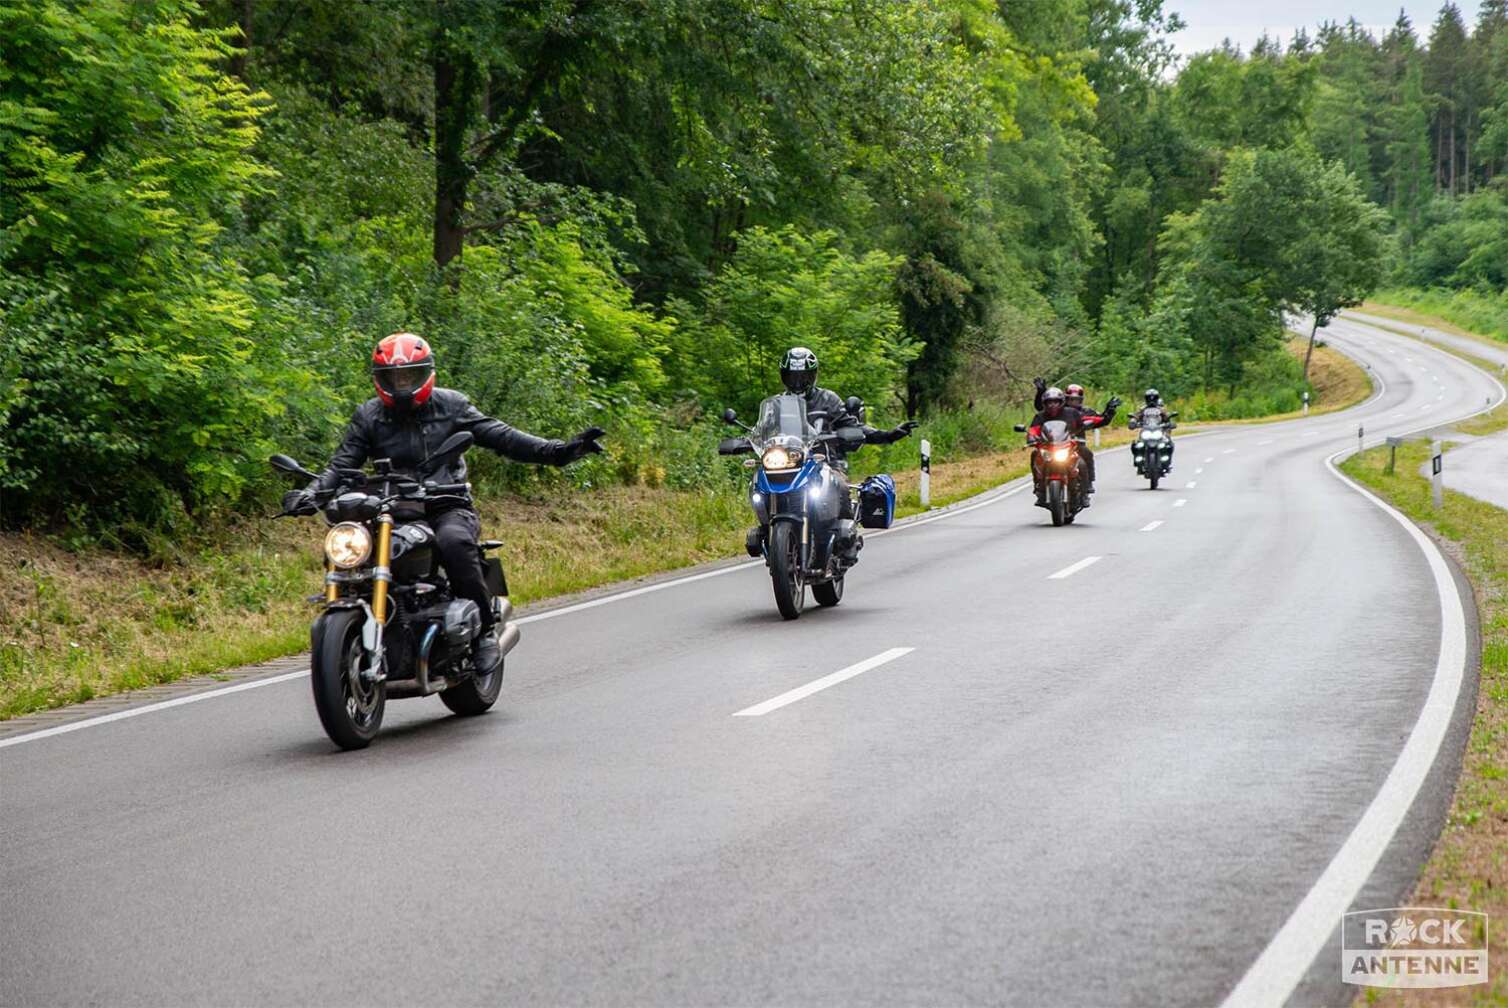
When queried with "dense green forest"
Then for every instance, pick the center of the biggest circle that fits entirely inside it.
(620, 211)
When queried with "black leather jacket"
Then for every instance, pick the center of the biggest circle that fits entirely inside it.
(407, 440)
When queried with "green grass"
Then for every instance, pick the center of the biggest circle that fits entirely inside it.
(1476, 312)
(1469, 866)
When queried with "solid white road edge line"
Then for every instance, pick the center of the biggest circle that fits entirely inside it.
(1073, 568)
(1304, 936)
(817, 685)
(1150, 526)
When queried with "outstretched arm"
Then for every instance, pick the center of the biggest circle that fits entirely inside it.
(521, 446)
(873, 435)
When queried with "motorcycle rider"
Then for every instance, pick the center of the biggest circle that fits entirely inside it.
(1155, 411)
(1085, 419)
(407, 419)
(798, 373)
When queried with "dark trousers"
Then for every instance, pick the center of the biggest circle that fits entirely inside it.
(457, 532)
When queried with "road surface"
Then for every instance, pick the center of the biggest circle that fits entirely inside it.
(1115, 760)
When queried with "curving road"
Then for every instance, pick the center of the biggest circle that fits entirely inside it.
(1113, 762)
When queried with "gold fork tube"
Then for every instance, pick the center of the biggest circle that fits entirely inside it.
(382, 576)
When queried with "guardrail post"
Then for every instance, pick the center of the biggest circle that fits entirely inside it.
(1436, 466)
(926, 485)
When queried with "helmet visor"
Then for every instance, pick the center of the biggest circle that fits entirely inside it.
(799, 381)
(405, 379)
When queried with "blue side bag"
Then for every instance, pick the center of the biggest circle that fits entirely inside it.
(877, 502)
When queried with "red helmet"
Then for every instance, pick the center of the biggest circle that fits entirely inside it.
(403, 369)
(1075, 394)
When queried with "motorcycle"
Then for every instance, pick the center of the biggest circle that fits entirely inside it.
(1152, 451)
(1062, 470)
(807, 533)
(389, 625)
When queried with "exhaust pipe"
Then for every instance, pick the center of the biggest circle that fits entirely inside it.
(508, 639)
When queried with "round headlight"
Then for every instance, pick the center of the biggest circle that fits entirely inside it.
(1060, 455)
(778, 457)
(348, 545)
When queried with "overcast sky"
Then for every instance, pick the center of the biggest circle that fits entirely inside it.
(1243, 21)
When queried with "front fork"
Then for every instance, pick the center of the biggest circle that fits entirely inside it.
(382, 577)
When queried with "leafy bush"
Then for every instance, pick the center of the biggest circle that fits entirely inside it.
(782, 289)
(125, 152)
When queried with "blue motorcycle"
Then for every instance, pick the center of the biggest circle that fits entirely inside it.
(809, 521)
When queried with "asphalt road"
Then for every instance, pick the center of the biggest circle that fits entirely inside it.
(1108, 787)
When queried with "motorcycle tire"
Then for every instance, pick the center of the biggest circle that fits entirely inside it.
(1056, 506)
(828, 593)
(350, 712)
(1154, 474)
(784, 552)
(475, 695)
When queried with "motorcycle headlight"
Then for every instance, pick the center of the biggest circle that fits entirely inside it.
(1060, 455)
(348, 545)
(1148, 435)
(779, 457)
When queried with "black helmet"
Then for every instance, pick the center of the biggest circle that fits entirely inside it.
(1053, 397)
(798, 370)
(1152, 397)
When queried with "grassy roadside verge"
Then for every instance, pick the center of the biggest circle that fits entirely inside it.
(1465, 313)
(1468, 868)
(81, 623)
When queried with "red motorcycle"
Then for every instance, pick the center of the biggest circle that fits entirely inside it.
(1063, 476)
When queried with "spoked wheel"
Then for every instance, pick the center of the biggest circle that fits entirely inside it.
(474, 696)
(350, 708)
(1056, 505)
(828, 593)
(785, 570)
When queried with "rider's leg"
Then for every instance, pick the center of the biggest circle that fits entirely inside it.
(456, 535)
(1037, 483)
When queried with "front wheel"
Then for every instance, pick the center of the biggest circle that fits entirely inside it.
(1055, 502)
(350, 708)
(784, 552)
(828, 593)
(1154, 473)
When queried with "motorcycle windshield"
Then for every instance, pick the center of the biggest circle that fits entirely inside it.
(782, 416)
(1055, 431)
(1151, 424)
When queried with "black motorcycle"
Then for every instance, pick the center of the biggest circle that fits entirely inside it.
(389, 625)
(1152, 451)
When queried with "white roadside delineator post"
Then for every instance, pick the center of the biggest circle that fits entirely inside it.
(926, 486)
(1306, 403)
(1436, 466)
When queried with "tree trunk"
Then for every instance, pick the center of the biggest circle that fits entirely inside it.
(450, 164)
(1310, 352)
(243, 19)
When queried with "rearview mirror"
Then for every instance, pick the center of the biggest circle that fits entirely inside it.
(450, 448)
(283, 463)
(855, 407)
(730, 416)
(1021, 428)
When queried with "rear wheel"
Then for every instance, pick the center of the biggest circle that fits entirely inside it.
(350, 707)
(474, 696)
(784, 551)
(1055, 503)
(828, 593)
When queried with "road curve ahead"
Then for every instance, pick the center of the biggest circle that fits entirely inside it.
(1102, 764)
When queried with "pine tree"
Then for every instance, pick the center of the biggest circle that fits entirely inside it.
(1445, 84)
